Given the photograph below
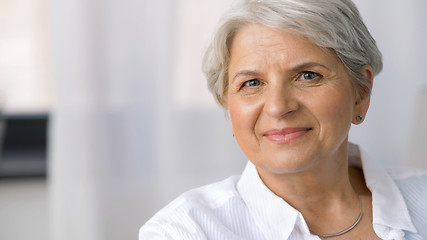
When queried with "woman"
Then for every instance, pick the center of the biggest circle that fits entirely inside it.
(294, 76)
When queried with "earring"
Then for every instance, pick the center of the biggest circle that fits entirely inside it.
(359, 118)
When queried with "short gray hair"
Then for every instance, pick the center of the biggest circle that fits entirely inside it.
(331, 24)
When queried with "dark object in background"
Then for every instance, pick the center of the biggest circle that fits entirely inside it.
(23, 153)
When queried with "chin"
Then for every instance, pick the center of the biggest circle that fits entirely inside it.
(286, 164)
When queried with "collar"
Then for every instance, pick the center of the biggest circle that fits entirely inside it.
(275, 217)
(388, 205)
(270, 211)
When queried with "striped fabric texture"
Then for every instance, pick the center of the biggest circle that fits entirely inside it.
(242, 207)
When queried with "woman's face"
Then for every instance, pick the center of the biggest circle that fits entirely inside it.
(291, 102)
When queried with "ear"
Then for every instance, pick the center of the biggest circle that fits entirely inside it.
(362, 100)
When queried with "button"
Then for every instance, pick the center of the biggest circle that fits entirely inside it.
(401, 233)
(382, 228)
(397, 234)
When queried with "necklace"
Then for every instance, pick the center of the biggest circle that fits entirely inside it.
(345, 230)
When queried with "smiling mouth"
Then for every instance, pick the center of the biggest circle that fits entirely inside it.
(286, 135)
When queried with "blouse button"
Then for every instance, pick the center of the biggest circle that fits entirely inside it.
(382, 228)
(400, 233)
(397, 235)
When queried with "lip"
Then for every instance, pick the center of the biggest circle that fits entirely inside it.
(285, 135)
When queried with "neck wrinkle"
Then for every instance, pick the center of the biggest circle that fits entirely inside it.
(324, 188)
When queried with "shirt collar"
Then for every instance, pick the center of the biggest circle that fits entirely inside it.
(268, 209)
(388, 205)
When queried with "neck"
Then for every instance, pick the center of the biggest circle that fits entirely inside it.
(322, 192)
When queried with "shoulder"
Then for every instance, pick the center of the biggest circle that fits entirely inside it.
(412, 184)
(402, 173)
(187, 213)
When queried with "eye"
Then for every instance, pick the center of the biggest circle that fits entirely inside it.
(252, 83)
(309, 75)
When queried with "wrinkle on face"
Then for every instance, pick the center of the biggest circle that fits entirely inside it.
(277, 58)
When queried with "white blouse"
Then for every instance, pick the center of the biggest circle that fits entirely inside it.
(242, 207)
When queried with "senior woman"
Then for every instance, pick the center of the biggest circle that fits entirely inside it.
(294, 75)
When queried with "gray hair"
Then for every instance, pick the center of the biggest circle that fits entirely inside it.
(331, 24)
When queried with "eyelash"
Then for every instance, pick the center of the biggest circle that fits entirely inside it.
(245, 84)
(300, 77)
(310, 72)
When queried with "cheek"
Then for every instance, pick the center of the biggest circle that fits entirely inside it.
(335, 111)
(244, 115)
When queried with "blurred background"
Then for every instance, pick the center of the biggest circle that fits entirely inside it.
(105, 116)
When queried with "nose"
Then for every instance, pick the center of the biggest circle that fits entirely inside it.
(280, 101)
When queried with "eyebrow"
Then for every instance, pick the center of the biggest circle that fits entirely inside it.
(303, 66)
(248, 73)
(297, 68)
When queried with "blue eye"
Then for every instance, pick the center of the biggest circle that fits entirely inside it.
(252, 83)
(309, 75)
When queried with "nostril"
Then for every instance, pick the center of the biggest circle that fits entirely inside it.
(281, 106)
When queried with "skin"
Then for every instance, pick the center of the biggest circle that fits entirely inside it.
(291, 104)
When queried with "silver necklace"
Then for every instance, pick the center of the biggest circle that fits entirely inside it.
(345, 230)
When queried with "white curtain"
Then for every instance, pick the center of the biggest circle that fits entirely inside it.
(124, 142)
(134, 125)
(112, 62)
(401, 33)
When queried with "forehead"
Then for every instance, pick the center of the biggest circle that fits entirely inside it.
(255, 43)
